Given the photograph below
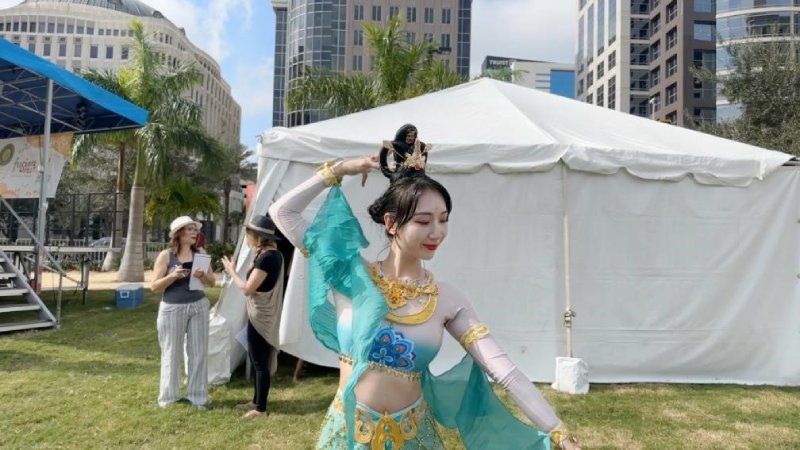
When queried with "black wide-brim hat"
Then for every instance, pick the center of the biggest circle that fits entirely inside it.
(263, 226)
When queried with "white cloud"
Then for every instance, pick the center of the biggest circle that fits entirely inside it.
(9, 3)
(530, 29)
(206, 24)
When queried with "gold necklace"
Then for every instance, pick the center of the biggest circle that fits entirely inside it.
(398, 293)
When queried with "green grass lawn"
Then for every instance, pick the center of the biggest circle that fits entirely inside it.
(93, 384)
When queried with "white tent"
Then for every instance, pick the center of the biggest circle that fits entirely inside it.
(682, 267)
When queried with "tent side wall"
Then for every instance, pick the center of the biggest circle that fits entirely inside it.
(671, 281)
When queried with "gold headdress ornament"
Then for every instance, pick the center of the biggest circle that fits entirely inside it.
(416, 159)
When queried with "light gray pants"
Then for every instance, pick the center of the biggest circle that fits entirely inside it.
(174, 322)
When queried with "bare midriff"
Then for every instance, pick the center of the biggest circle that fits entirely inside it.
(381, 391)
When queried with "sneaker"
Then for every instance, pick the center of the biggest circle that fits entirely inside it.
(254, 413)
(249, 406)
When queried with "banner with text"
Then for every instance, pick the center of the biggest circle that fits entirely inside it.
(19, 165)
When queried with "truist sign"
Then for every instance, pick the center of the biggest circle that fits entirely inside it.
(19, 165)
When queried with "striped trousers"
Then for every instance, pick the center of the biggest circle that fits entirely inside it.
(174, 322)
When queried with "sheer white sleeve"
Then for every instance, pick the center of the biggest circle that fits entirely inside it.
(287, 211)
(475, 337)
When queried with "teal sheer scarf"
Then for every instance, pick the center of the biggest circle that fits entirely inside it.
(459, 398)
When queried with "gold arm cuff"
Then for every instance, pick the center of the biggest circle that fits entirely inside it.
(474, 333)
(304, 252)
(328, 177)
(560, 434)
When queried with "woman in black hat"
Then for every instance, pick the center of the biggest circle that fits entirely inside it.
(264, 291)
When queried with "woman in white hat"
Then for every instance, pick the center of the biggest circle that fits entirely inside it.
(183, 312)
(264, 290)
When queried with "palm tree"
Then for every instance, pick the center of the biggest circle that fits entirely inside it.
(235, 166)
(182, 197)
(173, 131)
(401, 70)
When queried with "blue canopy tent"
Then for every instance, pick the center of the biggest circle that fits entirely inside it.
(38, 97)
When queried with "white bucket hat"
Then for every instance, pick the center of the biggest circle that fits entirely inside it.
(181, 222)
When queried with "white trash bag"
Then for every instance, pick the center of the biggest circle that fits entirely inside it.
(572, 375)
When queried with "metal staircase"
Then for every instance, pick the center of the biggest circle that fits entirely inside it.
(20, 306)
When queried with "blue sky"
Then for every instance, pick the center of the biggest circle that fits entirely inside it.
(240, 35)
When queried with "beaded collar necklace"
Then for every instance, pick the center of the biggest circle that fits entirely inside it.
(398, 293)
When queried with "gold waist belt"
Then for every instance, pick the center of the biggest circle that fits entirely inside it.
(378, 430)
(413, 376)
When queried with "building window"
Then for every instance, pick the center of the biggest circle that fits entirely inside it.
(428, 15)
(445, 41)
(705, 58)
(411, 37)
(672, 66)
(704, 114)
(394, 11)
(358, 63)
(358, 38)
(655, 76)
(672, 10)
(672, 38)
(612, 92)
(32, 46)
(411, 14)
(358, 12)
(109, 52)
(93, 50)
(125, 51)
(376, 13)
(655, 24)
(70, 29)
(77, 53)
(672, 93)
(655, 103)
(428, 37)
(671, 118)
(709, 6)
(590, 99)
(704, 31)
(600, 69)
(445, 15)
(589, 79)
(612, 60)
(655, 50)
(62, 47)
(599, 97)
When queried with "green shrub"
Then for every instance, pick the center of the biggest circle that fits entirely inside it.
(217, 250)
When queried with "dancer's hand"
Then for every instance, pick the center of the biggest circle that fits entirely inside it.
(357, 166)
(566, 444)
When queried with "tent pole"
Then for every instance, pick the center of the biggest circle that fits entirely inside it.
(41, 217)
(568, 312)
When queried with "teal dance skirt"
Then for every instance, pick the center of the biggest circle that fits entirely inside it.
(412, 428)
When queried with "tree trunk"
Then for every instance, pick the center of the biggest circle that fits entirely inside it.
(112, 257)
(226, 209)
(132, 266)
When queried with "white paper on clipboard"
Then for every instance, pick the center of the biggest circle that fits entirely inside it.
(201, 261)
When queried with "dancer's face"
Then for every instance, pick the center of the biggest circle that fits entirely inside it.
(421, 237)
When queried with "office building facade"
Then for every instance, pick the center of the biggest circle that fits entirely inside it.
(555, 78)
(637, 56)
(753, 21)
(329, 34)
(95, 34)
